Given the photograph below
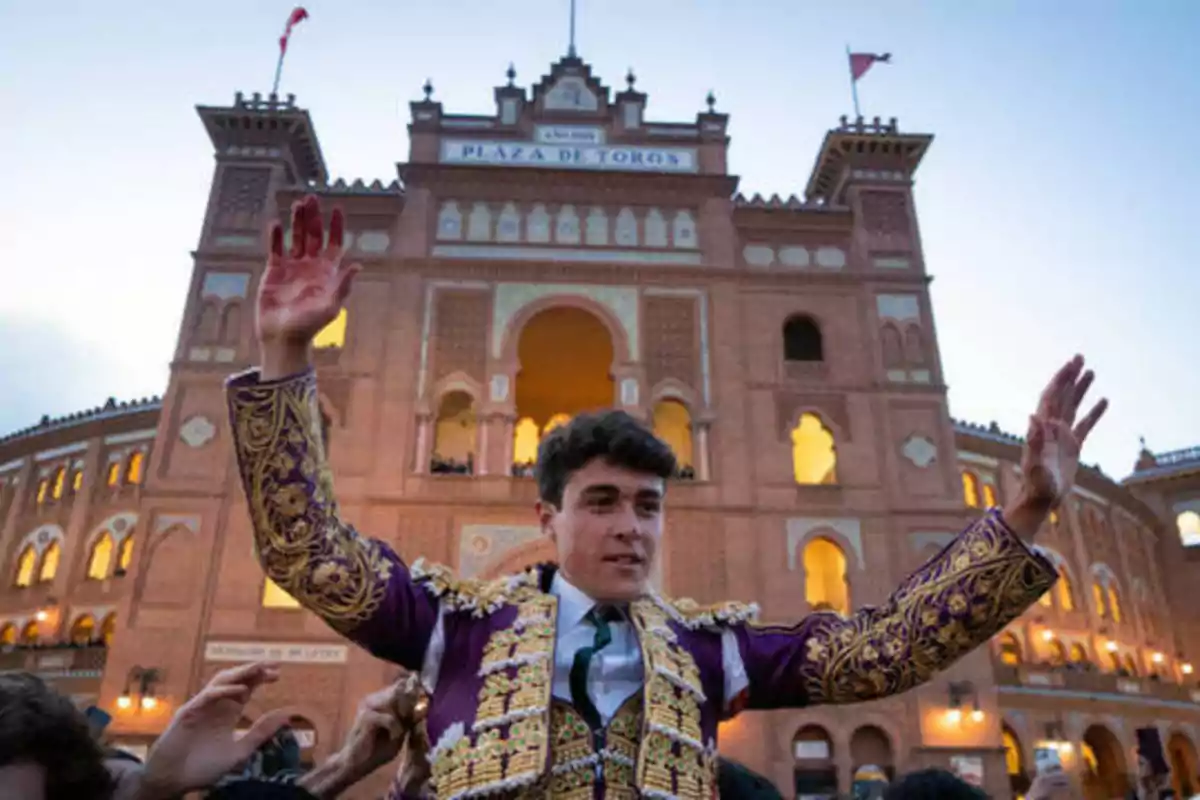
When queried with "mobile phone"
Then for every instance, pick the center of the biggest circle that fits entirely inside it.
(97, 720)
(1150, 748)
(1047, 760)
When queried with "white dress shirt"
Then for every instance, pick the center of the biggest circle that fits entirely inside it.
(615, 672)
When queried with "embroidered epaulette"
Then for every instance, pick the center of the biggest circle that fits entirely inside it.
(480, 597)
(690, 614)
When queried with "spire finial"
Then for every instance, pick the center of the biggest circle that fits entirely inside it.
(511, 73)
(630, 79)
(711, 100)
(571, 41)
(428, 89)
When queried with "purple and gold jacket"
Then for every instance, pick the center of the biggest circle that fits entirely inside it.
(494, 725)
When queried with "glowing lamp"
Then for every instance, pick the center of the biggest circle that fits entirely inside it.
(1187, 669)
(1111, 646)
(124, 702)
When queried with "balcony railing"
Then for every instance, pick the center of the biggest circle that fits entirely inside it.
(1044, 676)
(55, 661)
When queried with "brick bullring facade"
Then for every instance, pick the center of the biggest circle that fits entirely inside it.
(563, 253)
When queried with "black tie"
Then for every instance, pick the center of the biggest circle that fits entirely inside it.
(599, 617)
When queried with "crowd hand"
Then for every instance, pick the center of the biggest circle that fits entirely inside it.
(199, 746)
(379, 731)
(303, 288)
(1053, 785)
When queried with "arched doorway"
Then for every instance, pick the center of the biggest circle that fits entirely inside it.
(825, 583)
(1185, 766)
(1105, 771)
(815, 772)
(871, 747)
(566, 357)
(1014, 762)
(454, 436)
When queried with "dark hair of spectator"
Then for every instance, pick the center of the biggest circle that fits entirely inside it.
(40, 726)
(614, 436)
(738, 780)
(933, 784)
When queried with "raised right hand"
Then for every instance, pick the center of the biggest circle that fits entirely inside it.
(302, 290)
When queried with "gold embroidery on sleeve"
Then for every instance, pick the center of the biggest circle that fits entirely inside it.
(301, 543)
(952, 605)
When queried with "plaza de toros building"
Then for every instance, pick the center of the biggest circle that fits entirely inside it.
(567, 252)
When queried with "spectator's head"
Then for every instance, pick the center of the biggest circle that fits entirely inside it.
(47, 751)
(933, 784)
(601, 479)
(737, 780)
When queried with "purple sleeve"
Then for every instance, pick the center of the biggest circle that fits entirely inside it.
(958, 600)
(359, 586)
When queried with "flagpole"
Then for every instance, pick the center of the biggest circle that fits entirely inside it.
(853, 83)
(278, 69)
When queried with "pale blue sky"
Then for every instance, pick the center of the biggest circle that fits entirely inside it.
(1057, 203)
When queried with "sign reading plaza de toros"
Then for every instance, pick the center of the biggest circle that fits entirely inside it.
(569, 149)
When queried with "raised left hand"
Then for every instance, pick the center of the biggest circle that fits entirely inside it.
(198, 747)
(1050, 458)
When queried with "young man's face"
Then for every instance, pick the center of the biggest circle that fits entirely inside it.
(608, 530)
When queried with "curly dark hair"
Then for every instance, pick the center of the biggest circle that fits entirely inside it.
(933, 784)
(614, 436)
(40, 726)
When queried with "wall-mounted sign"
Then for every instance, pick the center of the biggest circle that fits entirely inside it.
(284, 652)
(617, 158)
(568, 134)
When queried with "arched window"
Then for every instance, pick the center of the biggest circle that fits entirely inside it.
(114, 474)
(825, 584)
(673, 424)
(1078, 654)
(100, 560)
(43, 489)
(8, 634)
(1066, 595)
(989, 496)
(333, 334)
(60, 483)
(1047, 599)
(274, 596)
(1010, 649)
(970, 489)
(26, 566)
(525, 442)
(50, 560)
(77, 481)
(914, 347)
(107, 628)
(1114, 603)
(454, 435)
(893, 348)
(83, 629)
(555, 421)
(125, 554)
(1098, 597)
(814, 454)
(1131, 665)
(30, 633)
(1189, 528)
(1057, 653)
(802, 340)
(133, 471)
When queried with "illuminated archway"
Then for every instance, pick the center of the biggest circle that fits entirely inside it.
(108, 628)
(1106, 771)
(673, 424)
(1079, 654)
(83, 629)
(566, 357)
(1057, 653)
(1014, 762)
(1010, 649)
(825, 584)
(1188, 523)
(455, 435)
(1185, 767)
(30, 633)
(970, 486)
(50, 559)
(814, 452)
(26, 566)
(100, 560)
